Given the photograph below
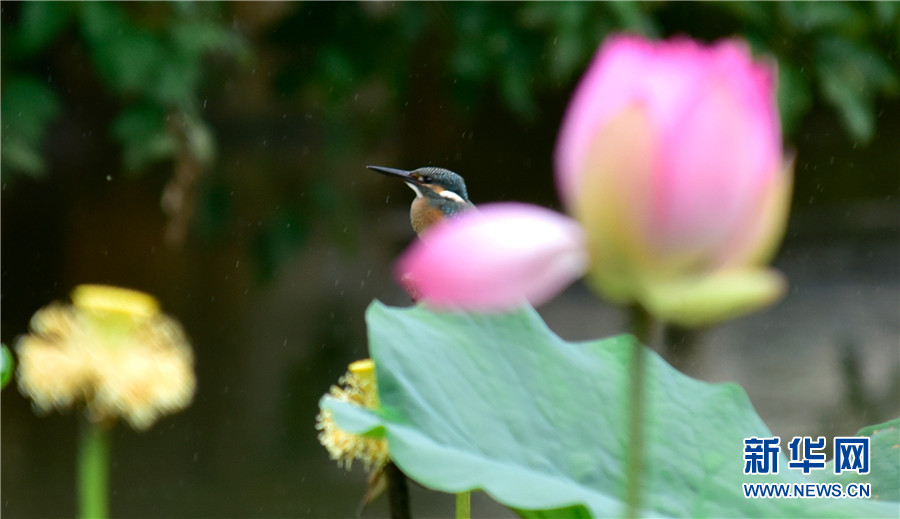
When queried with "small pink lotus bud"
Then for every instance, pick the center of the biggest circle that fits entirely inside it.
(495, 258)
(670, 162)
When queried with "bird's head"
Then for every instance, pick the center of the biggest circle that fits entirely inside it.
(430, 182)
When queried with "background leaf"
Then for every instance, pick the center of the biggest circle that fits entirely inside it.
(41, 23)
(142, 131)
(28, 106)
(850, 75)
(502, 404)
(794, 98)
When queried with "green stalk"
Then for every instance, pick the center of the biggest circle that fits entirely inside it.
(640, 328)
(93, 471)
(464, 505)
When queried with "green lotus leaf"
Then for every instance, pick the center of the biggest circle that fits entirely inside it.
(502, 404)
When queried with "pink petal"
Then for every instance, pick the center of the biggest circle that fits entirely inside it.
(495, 258)
(764, 226)
(626, 70)
(715, 126)
(720, 152)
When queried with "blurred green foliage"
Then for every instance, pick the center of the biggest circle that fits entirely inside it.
(844, 53)
(7, 366)
(149, 56)
(28, 106)
(358, 72)
(516, 51)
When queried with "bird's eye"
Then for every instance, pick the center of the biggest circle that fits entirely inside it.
(426, 179)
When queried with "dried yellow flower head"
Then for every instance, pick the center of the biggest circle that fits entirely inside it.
(112, 350)
(357, 387)
(114, 300)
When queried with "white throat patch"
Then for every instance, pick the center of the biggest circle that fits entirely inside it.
(415, 188)
(452, 196)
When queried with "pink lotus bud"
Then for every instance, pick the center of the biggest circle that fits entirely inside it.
(495, 258)
(670, 157)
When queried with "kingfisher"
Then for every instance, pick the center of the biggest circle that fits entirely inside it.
(440, 193)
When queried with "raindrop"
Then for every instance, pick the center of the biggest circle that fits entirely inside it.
(109, 178)
(387, 199)
(237, 263)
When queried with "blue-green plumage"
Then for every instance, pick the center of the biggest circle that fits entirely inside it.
(440, 193)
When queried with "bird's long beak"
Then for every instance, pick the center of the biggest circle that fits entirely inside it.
(399, 173)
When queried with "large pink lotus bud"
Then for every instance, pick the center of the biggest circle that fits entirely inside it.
(670, 157)
(671, 164)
